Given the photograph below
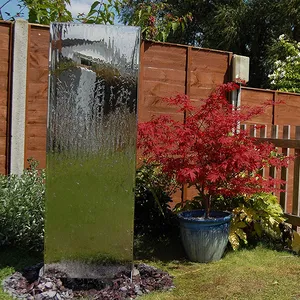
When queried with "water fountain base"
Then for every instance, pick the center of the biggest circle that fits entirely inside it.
(55, 285)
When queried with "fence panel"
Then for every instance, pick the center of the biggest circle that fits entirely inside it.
(208, 69)
(6, 37)
(163, 73)
(37, 93)
(289, 111)
(289, 199)
(256, 97)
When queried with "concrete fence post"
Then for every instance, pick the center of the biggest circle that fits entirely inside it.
(240, 74)
(18, 100)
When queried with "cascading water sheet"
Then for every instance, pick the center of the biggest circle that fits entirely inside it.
(91, 145)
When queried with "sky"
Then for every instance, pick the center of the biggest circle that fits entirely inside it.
(80, 6)
(77, 6)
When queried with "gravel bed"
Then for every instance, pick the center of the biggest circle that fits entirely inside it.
(53, 285)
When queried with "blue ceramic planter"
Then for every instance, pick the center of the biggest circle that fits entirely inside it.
(204, 240)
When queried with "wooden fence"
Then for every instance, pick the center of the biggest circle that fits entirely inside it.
(280, 136)
(283, 114)
(6, 38)
(165, 70)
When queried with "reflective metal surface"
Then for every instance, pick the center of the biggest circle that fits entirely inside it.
(91, 144)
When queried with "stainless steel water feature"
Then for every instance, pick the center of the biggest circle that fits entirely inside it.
(91, 145)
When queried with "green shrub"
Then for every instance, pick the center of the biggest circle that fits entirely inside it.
(254, 219)
(22, 202)
(153, 214)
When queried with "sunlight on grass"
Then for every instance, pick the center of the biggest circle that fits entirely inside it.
(249, 274)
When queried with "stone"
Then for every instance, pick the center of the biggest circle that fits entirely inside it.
(58, 297)
(49, 294)
(49, 285)
(135, 272)
(58, 283)
(121, 287)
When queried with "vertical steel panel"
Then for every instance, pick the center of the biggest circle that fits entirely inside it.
(91, 145)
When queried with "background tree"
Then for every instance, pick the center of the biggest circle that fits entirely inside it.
(156, 19)
(285, 61)
(250, 28)
(47, 11)
(41, 12)
(101, 12)
(245, 27)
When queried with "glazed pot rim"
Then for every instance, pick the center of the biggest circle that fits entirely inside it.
(196, 216)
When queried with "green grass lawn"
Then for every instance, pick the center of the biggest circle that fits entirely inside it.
(258, 273)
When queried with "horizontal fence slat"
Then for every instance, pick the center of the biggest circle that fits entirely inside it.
(292, 219)
(282, 143)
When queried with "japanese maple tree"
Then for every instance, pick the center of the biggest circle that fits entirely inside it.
(209, 150)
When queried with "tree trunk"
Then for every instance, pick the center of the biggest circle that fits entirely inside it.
(207, 206)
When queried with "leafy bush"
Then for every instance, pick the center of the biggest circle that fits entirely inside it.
(22, 202)
(152, 201)
(254, 218)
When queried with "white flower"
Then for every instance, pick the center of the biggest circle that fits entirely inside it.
(282, 74)
(281, 37)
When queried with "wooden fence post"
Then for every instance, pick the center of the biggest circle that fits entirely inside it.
(284, 170)
(187, 92)
(274, 135)
(295, 207)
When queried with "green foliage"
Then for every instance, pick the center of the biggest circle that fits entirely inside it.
(296, 242)
(22, 200)
(155, 19)
(46, 11)
(286, 65)
(152, 200)
(254, 218)
(101, 12)
(41, 12)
